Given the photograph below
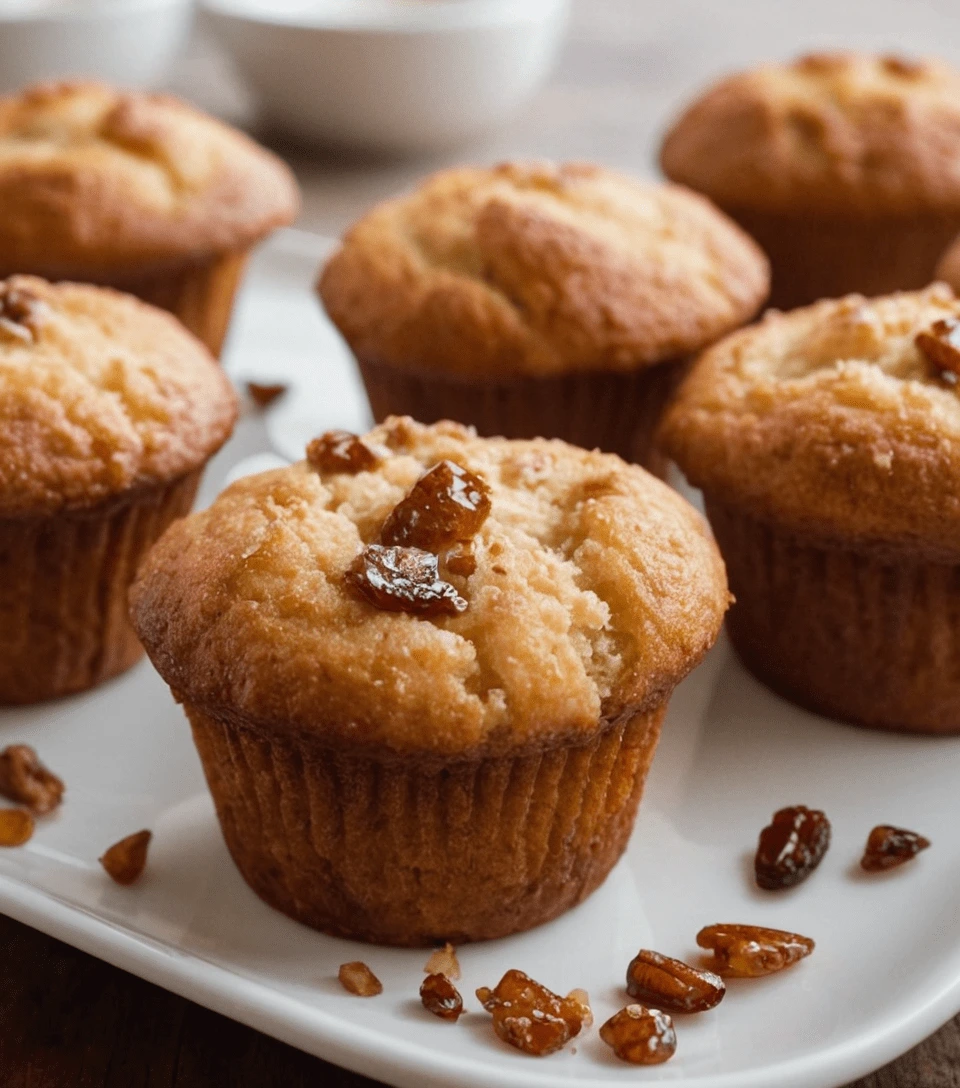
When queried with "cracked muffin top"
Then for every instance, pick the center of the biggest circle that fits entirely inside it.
(594, 589)
(90, 175)
(536, 269)
(834, 133)
(99, 393)
(840, 420)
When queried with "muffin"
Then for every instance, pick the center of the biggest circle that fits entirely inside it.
(827, 445)
(841, 165)
(537, 300)
(135, 191)
(109, 410)
(426, 701)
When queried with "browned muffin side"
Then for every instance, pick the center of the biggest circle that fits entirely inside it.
(840, 165)
(425, 777)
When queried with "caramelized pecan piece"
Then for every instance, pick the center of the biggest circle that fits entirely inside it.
(673, 985)
(444, 961)
(439, 996)
(404, 580)
(888, 847)
(264, 395)
(21, 313)
(16, 826)
(752, 951)
(791, 847)
(126, 859)
(640, 1036)
(340, 451)
(357, 978)
(530, 1017)
(23, 778)
(447, 504)
(941, 345)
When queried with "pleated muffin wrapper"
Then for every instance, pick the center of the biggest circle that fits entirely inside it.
(828, 257)
(413, 850)
(617, 412)
(63, 590)
(868, 634)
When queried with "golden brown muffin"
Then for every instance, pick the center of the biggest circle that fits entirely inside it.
(827, 445)
(404, 778)
(136, 191)
(842, 166)
(539, 300)
(109, 410)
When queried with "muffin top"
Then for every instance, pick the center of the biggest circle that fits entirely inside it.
(845, 133)
(90, 175)
(588, 589)
(535, 269)
(99, 393)
(841, 421)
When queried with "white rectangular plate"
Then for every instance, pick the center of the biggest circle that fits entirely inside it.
(886, 971)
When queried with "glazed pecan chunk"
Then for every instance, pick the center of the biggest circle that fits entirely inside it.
(791, 847)
(126, 859)
(941, 345)
(24, 779)
(446, 505)
(752, 951)
(357, 978)
(672, 985)
(640, 1035)
(21, 313)
(404, 580)
(888, 847)
(264, 395)
(443, 961)
(439, 996)
(16, 826)
(530, 1017)
(341, 451)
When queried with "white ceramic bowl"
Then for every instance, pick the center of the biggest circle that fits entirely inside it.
(129, 42)
(396, 74)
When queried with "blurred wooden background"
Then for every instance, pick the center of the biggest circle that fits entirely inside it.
(69, 1021)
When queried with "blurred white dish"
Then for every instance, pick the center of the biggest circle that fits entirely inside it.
(130, 42)
(395, 74)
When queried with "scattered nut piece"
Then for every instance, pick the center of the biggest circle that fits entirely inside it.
(404, 580)
(264, 395)
(941, 345)
(640, 1036)
(791, 847)
(888, 847)
(581, 999)
(441, 997)
(23, 778)
(446, 505)
(340, 451)
(443, 961)
(126, 859)
(752, 951)
(357, 978)
(531, 1017)
(671, 984)
(460, 559)
(21, 313)
(16, 826)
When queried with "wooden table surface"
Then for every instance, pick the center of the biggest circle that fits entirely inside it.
(70, 1021)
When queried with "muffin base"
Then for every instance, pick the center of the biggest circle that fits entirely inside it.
(408, 852)
(815, 258)
(866, 637)
(617, 413)
(63, 591)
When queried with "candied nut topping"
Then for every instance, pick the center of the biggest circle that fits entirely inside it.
(441, 997)
(264, 395)
(941, 345)
(752, 951)
(21, 313)
(672, 984)
(791, 847)
(23, 778)
(404, 580)
(581, 999)
(460, 559)
(447, 504)
(16, 826)
(640, 1036)
(357, 978)
(340, 451)
(444, 962)
(531, 1017)
(126, 859)
(888, 847)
